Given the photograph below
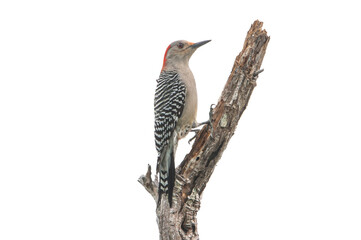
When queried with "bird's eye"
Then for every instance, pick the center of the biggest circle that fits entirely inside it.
(180, 45)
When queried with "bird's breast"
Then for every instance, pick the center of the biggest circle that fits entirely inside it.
(189, 114)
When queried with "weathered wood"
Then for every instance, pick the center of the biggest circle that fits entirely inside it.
(192, 175)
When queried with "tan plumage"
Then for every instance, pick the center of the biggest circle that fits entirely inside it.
(175, 109)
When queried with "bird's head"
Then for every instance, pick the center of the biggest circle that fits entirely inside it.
(179, 53)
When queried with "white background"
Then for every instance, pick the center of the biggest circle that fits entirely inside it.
(77, 81)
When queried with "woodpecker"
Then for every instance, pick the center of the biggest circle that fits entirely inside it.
(175, 109)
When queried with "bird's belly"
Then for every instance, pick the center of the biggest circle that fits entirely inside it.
(182, 132)
(188, 118)
(189, 114)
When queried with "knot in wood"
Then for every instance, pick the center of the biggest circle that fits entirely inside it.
(224, 121)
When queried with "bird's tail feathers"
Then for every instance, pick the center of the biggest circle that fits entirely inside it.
(166, 176)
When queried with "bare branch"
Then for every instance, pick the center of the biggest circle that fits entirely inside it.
(148, 184)
(199, 164)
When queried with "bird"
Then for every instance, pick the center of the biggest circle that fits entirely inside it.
(175, 109)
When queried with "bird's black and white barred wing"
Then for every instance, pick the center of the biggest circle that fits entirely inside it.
(168, 106)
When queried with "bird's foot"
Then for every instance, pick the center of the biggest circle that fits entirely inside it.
(195, 135)
(208, 122)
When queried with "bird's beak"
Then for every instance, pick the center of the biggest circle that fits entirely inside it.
(198, 44)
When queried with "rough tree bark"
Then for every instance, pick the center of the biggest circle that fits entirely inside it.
(192, 175)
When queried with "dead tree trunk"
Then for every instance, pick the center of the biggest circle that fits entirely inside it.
(192, 175)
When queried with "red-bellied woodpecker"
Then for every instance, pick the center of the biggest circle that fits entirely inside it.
(175, 109)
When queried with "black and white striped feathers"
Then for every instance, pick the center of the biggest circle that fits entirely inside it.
(168, 107)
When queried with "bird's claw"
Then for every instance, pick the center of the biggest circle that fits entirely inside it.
(208, 122)
(195, 135)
